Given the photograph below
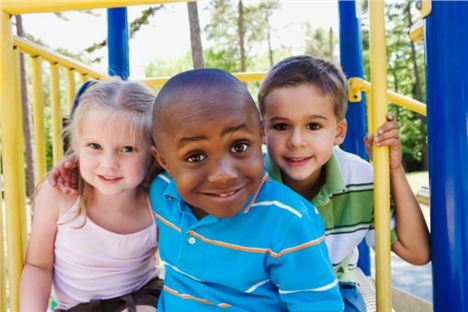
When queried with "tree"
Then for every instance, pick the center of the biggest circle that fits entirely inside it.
(405, 61)
(236, 30)
(195, 37)
(27, 121)
(320, 43)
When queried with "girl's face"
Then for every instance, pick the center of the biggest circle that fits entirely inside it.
(110, 159)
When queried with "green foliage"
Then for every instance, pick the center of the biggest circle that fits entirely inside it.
(402, 79)
(321, 43)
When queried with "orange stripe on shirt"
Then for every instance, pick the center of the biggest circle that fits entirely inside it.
(258, 250)
(256, 193)
(185, 296)
(169, 224)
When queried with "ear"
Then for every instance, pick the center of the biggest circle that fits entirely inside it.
(341, 128)
(159, 158)
(262, 131)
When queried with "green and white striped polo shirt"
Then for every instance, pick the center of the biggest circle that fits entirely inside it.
(346, 204)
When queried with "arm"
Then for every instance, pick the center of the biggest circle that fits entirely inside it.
(36, 278)
(413, 235)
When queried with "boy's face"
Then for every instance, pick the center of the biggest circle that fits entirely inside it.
(213, 152)
(300, 130)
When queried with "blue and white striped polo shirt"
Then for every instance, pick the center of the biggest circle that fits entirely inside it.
(269, 257)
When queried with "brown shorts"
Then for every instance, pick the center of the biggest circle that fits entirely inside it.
(147, 295)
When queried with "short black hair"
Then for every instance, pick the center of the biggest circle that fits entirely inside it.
(197, 85)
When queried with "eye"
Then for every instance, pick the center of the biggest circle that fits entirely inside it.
(94, 146)
(313, 126)
(128, 149)
(239, 147)
(280, 126)
(195, 157)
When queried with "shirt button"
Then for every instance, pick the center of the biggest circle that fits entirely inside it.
(192, 240)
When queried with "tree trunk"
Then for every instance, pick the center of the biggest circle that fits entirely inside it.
(330, 45)
(241, 37)
(270, 50)
(195, 37)
(30, 183)
(417, 84)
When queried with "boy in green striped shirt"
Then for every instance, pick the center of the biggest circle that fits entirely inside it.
(303, 103)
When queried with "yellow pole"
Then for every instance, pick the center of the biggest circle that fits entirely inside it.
(370, 112)
(84, 78)
(57, 142)
(21, 149)
(70, 88)
(10, 116)
(378, 66)
(3, 280)
(38, 120)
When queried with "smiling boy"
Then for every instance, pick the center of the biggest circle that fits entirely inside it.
(303, 104)
(230, 237)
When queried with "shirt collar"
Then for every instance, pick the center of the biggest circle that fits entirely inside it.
(333, 179)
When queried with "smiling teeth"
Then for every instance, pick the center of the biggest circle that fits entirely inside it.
(226, 195)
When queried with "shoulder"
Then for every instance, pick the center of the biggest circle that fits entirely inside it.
(286, 205)
(52, 197)
(353, 168)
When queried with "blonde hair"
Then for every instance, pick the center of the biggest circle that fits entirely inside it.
(132, 99)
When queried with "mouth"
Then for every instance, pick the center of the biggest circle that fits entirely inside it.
(223, 195)
(297, 161)
(109, 179)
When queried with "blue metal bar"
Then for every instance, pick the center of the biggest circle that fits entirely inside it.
(117, 42)
(352, 63)
(447, 115)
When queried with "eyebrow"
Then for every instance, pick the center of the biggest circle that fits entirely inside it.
(314, 116)
(226, 131)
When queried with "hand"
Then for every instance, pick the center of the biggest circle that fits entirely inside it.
(388, 135)
(64, 175)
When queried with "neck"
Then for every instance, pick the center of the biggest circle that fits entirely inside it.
(309, 187)
(121, 202)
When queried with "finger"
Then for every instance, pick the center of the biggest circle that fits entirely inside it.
(388, 126)
(390, 117)
(392, 142)
(390, 134)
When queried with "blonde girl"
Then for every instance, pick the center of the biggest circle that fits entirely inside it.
(97, 249)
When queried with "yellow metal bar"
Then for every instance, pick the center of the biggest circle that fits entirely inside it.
(21, 150)
(10, 116)
(357, 83)
(3, 279)
(16, 7)
(56, 112)
(416, 32)
(426, 8)
(38, 120)
(34, 49)
(83, 78)
(378, 62)
(370, 113)
(71, 87)
(244, 77)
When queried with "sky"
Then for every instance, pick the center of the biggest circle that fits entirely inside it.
(167, 37)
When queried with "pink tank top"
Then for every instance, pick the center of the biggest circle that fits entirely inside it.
(94, 263)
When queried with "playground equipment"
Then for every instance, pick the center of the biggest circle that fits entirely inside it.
(447, 111)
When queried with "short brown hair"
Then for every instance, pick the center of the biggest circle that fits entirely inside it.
(296, 70)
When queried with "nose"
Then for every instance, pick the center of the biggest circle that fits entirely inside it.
(296, 139)
(223, 172)
(109, 161)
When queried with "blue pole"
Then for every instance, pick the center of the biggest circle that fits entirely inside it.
(352, 63)
(447, 116)
(117, 42)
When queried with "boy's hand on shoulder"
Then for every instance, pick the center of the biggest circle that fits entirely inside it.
(64, 175)
(387, 135)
